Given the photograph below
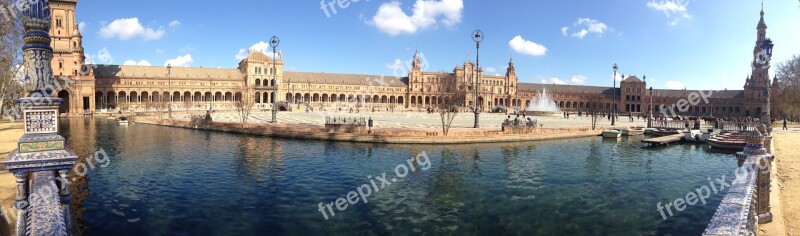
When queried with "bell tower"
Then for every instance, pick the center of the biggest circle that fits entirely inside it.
(67, 41)
(757, 87)
(511, 78)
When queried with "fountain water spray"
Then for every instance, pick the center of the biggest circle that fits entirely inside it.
(543, 105)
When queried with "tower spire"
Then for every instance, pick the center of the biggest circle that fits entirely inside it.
(761, 24)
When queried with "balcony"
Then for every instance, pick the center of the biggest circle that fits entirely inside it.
(266, 87)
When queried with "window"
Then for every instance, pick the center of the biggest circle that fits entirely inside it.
(60, 65)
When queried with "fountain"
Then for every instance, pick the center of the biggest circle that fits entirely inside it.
(543, 106)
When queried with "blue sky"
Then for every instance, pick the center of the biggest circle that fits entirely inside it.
(696, 44)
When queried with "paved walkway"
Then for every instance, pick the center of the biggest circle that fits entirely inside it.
(9, 135)
(416, 119)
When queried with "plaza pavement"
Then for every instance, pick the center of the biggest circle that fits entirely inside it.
(417, 119)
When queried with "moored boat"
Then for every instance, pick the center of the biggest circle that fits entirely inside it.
(664, 132)
(612, 133)
(694, 136)
(122, 120)
(727, 144)
(633, 131)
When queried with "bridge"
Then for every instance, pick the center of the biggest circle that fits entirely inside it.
(41, 161)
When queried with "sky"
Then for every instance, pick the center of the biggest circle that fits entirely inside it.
(694, 44)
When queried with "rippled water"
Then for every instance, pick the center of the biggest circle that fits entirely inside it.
(169, 181)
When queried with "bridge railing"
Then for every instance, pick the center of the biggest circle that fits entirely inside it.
(670, 124)
(738, 126)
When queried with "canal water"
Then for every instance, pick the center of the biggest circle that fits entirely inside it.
(172, 181)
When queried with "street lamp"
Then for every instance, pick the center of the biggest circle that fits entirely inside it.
(477, 36)
(274, 41)
(650, 117)
(169, 81)
(210, 94)
(614, 98)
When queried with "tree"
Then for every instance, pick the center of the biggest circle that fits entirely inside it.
(450, 101)
(788, 74)
(123, 105)
(11, 33)
(244, 100)
(595, 111)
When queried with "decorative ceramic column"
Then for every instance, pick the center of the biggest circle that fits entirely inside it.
(41, 150)
(21, 201)
(767, 132)
(756, 153)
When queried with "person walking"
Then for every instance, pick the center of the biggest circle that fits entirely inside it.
(784, 124)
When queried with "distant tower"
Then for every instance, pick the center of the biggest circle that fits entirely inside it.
(67, 40)
(757, 86)
(511, 78)
(415, 81)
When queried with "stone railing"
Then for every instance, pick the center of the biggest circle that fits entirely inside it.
(670, 124)
(738, 126)
(747, 202)
(736, 214)
(345, 125)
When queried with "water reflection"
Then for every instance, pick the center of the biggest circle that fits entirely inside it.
(180, 181)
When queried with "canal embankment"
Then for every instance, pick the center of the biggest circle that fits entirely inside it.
(381, 135)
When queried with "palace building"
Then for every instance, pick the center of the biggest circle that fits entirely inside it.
(108, 88)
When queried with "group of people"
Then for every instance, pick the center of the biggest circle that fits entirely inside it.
(517, 122)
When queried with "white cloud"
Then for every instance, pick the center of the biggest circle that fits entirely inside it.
(261, 46)
(180, 61)
(672, 84)
(159, 51)
(104, 56)
(174, 23)
(619, 77)
(82, 26)
(554, 80)
(241, 55)
(586, 26)
(520, 45)
(580, 34)
(135, 63)
(578, 79)
(391, 19)
(128, 28)
(490, 70)
(397, 64)
(674, 9)
(89, 59)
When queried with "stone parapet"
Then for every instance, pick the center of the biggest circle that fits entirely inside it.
(736, 214)
(747, 202)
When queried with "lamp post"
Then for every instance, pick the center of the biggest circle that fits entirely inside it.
(477, 36)
(614, 98)
(210, 94)
(650, 117)
(274, 41)
(169, 87)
